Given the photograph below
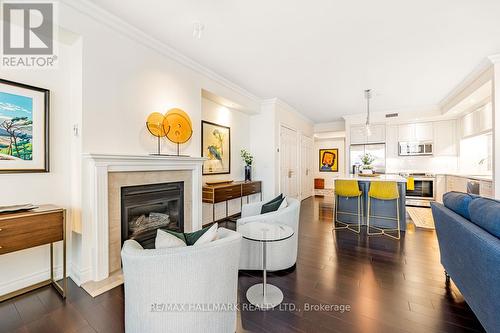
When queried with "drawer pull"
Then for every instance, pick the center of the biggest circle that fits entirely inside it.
(1, 229)
(1, 247)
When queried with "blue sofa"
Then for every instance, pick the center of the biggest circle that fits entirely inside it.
(468, 231)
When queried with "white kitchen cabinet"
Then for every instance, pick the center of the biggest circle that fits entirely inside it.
(359, 134)
(468, 125)
(477, 122)
(440, 187)
(424, 132)
(377, 134)
(415, 132)
(406, 132)
(445, 143)
(486, 188)
(391, 144)
(456, 183)
(484, 118)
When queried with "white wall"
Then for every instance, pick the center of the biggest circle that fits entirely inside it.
(22, 268)
(329, 177)
(239, 123)
(126, 76)
(263, 145)
(264, 140)
(436, 165)
(474, 150)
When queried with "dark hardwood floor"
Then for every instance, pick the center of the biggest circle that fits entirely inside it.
(390, 286)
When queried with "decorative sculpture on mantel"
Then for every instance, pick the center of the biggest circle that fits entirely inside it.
(175, 125)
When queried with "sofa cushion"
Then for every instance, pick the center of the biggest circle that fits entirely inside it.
(190, 238)
(485, 213)
(207, 236)
(167, 240)
(458, 202)
(284, 204)
(272, 205)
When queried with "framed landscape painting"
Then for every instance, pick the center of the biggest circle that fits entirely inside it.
(329, 160)
(216, 147)
(24, 128)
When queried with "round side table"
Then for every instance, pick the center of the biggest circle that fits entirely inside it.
(263, 295)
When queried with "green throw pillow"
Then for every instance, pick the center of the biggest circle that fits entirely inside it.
(272, 205)
(188, 237)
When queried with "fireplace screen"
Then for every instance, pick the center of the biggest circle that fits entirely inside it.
(145, 208)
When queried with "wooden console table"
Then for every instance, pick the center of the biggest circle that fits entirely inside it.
(40, 226)
(213, 194)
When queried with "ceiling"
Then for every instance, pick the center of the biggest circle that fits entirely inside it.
(319, 56)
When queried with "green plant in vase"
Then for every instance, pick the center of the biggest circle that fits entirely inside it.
(248, 159)
(367, 160)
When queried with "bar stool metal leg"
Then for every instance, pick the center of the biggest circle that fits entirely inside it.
(359, 214)
(383, 231)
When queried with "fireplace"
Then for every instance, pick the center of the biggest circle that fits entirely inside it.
(146, 208)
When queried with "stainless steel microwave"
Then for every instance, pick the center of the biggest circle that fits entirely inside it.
(415, 148)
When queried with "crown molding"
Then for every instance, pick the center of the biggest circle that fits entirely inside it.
(119, 25)
(268, 101)
(284, 105)
(495, 58)
(478, 74)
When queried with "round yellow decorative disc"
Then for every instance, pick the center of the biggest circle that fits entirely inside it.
(155, 124)
(180, 112)
(180, 127)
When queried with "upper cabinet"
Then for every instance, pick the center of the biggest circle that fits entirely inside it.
(416, 132)
(477, 122)
(485, 118)
(359, 134)
(391, 146)
(445, 142)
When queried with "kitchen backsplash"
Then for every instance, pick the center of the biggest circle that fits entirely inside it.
(436, 165)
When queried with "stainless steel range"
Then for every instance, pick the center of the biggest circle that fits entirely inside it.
(424, 190)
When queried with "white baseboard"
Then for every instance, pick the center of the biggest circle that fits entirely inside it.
(79, 276)
(29, 279)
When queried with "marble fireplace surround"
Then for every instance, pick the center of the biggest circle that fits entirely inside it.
(104, 175)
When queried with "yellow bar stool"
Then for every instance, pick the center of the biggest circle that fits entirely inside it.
(347, 189)
(386, 191)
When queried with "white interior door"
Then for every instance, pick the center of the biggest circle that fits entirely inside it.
(289, 162)
(306, 165)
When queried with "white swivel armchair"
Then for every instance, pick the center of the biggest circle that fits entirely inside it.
(281, 254)
(173, 289)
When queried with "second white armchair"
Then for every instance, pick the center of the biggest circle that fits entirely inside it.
(280, 255)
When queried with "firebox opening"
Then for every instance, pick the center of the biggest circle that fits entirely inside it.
(146, 208)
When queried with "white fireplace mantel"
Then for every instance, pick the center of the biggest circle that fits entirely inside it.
(95, 222)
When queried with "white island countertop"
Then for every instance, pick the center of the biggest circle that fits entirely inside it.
(383, 178)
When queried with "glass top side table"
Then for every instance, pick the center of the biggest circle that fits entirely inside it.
(263, 295)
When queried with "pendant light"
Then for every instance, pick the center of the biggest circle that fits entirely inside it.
(368, 95)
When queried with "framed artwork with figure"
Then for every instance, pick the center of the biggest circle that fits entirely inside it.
(216, 147)
(329, 160)
(24, 128)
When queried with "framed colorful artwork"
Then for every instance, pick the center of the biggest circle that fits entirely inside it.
(329, 160)
(216, 147)
(24, 128)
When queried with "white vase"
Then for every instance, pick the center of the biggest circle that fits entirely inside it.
(367, 171)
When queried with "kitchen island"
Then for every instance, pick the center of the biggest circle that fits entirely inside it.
(378, 207)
